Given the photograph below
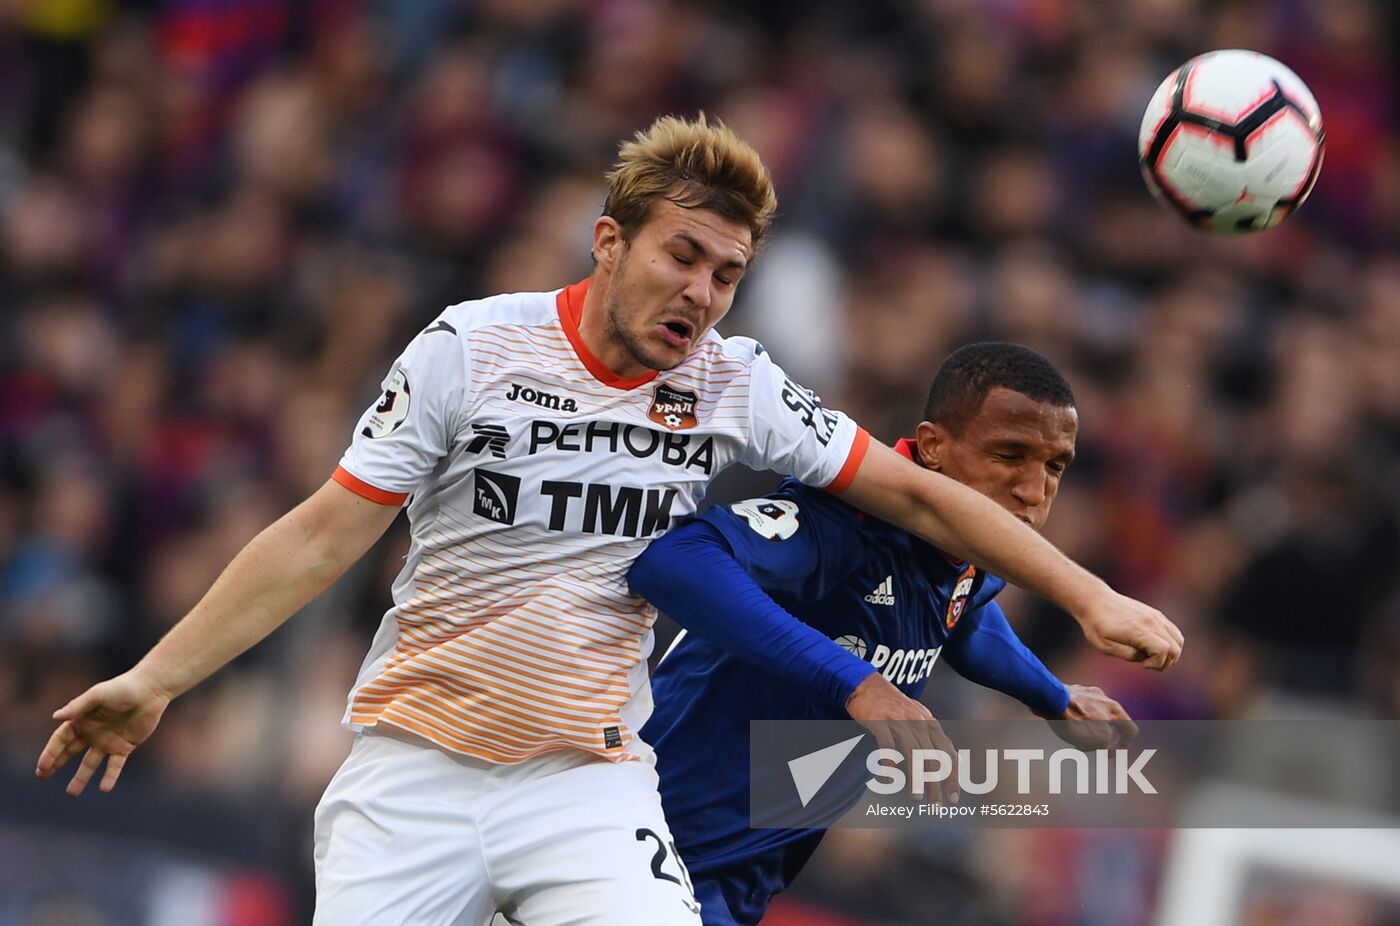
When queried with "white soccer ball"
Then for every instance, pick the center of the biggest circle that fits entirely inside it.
(1232, 140)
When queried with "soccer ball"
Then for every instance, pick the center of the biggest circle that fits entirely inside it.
(1232, 140)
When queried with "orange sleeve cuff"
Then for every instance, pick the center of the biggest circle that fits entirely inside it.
(365, 490)
(847, 475)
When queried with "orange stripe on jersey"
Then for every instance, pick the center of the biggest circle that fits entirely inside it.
(531, 729)
(570, 303)
(623, 630)
(847, 475)
(488, 749)
(563, 690)
(534, 718)
(365, 490)
(463, 708)
(498, 347)
(524, 651)
(516, 686)
(620, 662)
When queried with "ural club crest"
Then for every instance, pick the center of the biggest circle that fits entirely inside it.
(673, 409)
(962, 591)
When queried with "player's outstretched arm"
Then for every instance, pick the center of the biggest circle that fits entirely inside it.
(986, 650)
(692, 574)
(971, 526)
(279, 571)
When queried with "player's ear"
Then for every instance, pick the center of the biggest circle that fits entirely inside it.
(932, 440)
(607, 242)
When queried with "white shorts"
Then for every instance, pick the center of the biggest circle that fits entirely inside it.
(408, 834)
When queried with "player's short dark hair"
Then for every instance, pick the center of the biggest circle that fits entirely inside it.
(970, 372)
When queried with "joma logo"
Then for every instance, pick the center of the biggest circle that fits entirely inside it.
(519, 393)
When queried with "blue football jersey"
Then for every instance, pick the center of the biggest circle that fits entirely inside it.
(879, 592)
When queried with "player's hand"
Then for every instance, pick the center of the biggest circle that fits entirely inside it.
(900, 723)
(109, 720)
(1093, 720)
(1128, 629)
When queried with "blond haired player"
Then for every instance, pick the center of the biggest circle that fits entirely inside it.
(540, 439)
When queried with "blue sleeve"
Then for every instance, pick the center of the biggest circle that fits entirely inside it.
(692, 574)
(987, 651)
(796, 541)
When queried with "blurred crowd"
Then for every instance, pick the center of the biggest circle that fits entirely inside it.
(220, 220)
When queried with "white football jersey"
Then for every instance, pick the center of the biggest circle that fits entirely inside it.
(537, 476)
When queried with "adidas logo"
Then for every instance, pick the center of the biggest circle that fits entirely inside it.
(883, 593)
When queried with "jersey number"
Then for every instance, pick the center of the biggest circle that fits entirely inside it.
(659, 859)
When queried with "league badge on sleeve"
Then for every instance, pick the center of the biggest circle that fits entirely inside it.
(673, 409)
(392, 409)
(962, 591)
(770, 518)
(852, 644)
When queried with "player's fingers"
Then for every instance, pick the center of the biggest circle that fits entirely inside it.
(79, 706)
(113, 744)
(1157, 652)
(1120, 650)
(924, 741)
(933, 737)
(63, 745)
(91, 760)
(907, 743)
(51, 756)
(950, 787)
(1157, 623)
(1160, 654)
(71, 750)
(114, 771)
(922, 787)
(1127, 730)
(880, 730)
(1174, 640)
(1124, 728)
(1174, 632)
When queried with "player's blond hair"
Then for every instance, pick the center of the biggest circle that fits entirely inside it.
(695, 164)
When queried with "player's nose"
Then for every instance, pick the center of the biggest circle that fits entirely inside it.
(1031, 488)
(698, 290)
